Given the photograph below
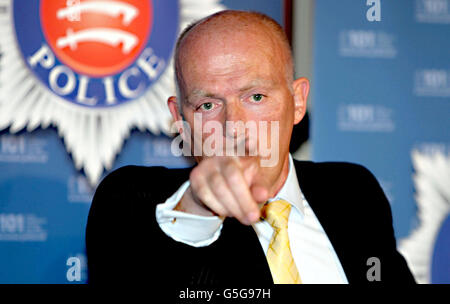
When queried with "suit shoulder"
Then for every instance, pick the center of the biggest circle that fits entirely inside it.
(135, 176)
(341, 170)
(351, 181)
(131, 171)
(353, 170)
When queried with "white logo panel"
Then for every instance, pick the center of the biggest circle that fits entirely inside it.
(365, 118)
(432, 83)
(23, 149)
(19, 227)
(367, 44)
(433, 11)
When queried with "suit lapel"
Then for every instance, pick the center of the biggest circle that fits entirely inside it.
(242, 250)
(335, 222)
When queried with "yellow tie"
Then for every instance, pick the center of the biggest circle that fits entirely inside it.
(279, 257)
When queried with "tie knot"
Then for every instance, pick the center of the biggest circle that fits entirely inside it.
(277, 214)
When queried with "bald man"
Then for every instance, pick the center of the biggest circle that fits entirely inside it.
(247, 212)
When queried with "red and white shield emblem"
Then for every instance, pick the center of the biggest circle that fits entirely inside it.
(97, 38)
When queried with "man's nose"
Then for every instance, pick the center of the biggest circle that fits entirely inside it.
(234, 121)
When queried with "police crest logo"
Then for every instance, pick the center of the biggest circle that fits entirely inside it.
(426, 247)
(94, 69)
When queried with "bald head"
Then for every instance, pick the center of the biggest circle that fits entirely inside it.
(235, 77)
(223, 32)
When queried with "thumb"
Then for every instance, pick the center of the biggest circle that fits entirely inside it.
(259, 193)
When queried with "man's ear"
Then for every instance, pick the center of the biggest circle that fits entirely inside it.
(175, 111)
(301, 91)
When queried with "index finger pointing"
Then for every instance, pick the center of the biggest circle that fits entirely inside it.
(241, 192)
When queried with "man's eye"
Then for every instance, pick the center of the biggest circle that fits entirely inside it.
(257, 97)
(207, 106)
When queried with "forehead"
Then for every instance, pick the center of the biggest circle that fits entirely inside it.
(230, 53)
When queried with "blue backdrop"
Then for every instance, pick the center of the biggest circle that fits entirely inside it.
(44, 200)
(381, 90)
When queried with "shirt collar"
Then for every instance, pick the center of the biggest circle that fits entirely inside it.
(290, 191)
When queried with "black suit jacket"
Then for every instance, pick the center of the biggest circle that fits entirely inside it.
(125, 244)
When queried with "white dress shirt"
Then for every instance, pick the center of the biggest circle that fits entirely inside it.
(312, 251)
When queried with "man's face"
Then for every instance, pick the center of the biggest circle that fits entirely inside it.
(240, 78)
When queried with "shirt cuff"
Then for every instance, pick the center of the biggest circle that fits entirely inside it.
(191, 229)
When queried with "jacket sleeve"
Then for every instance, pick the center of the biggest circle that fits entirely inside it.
(107, 231)
(124, 243)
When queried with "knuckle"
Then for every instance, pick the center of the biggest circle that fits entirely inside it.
(247, 207)
(216, 180)
(230, 161)
(195, 184)
(234, 178)
(194, 175)
(209, 163)
(203, 193)
(224, 162)
(230, 170)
